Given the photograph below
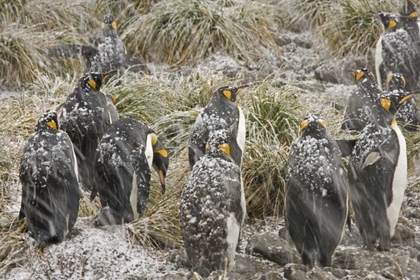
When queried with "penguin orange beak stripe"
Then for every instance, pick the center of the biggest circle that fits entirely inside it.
(405, 98)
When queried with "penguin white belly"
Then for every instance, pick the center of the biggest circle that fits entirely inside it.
(243, 201)
(233, 230)
(133, 196)
(75, 166)
(240, 138)
(149, 151)
(378, 61)
(399, 183)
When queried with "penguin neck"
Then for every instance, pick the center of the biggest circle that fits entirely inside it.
(108, 31)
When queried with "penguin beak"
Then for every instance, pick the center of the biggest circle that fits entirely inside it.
(405, 98)
(161, 163)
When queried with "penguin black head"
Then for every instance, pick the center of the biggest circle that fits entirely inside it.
(48, 120)
(392, 101)
(230, 92)
(109, 21)
(93, 81)
(218, 146)
(313, 125)
(160, 160)
(364, 75)
(396, 81)
(409, 9)
(389, 21)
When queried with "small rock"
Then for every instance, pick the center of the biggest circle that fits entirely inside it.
(273, 248)
(295, 271)
(272, 275)
(302, 42)
(179, 257)
(178, 276)
(404, 235)
(319, 274)
(344, 259)
(4, 220)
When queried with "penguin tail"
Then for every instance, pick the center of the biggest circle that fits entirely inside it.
(72, 51)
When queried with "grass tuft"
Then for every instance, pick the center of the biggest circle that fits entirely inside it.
(179, 31)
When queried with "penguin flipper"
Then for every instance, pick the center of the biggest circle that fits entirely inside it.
(194, 155)
(73, 51)
(142, 174)
(374, 155)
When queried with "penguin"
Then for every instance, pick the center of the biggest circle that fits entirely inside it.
(408, 18)
(212, 208)
(85, 116)
(361, 104)
(316, 205)
(49, 179)
(408, 114)
(396, 52)
(126, 154)
(222, 112)
(378, 174)
(107, 54)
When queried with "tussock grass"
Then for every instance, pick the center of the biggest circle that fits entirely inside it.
(28, 27)
(313, 13)
(179, 31)
(272, 125)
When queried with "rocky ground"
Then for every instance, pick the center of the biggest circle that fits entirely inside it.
(266, 251)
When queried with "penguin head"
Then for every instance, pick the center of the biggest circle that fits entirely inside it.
(229, 92)
(160, 160)
(364, 75)
(389, 21)
(48, 120)
(313, 125)
(218, 145)
(409, 9)
(396, 81)
(108, 25)
(393, 100)
(93, 81)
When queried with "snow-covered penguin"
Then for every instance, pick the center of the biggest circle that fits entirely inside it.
(126, 154)
(378, 174)
(212, 208)
(85, 115)
(50, 187)
(409, 20)
(107, 54)
(361, 105)
(396, 52)
(223, 112)
(408, 114)
(316, 194)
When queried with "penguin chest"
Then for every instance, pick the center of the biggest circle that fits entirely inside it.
(399, 182)
(240, 138)
(378, 61)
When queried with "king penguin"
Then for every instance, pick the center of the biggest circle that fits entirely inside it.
(361, 105)
(85, 115)
(212, 208)
(396, 52)
(378, 174)
(50, 187)
(316, 194)
(107, 54)
(223, 112)
(408, 114)
(409, 20)
(126, 154)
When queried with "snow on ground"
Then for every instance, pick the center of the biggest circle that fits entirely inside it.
(94, 253)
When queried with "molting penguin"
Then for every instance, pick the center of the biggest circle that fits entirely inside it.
(126, 154)
(316, 194)
(212, 208)
(361, 105)
(221, 113)
(85, 115)
(378, 174)
(407, 115)
(396, 52)
(50, 187)
(107, 54)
